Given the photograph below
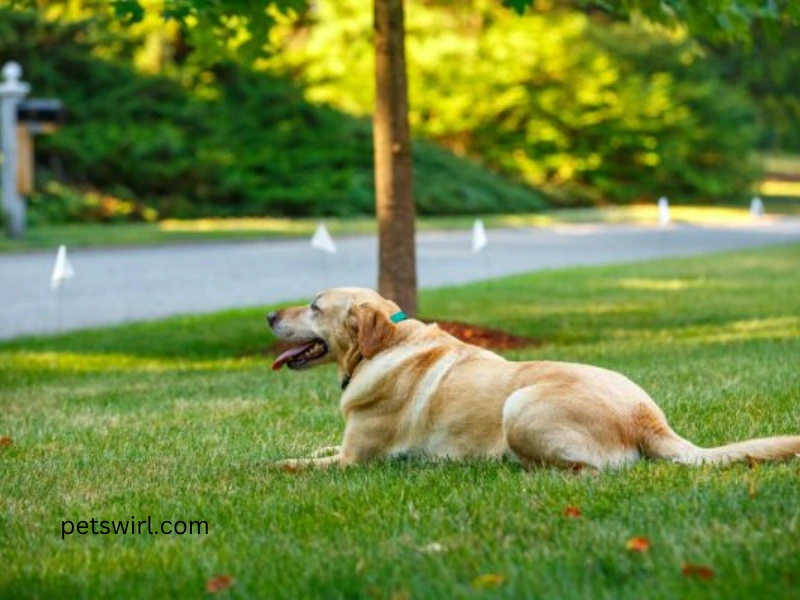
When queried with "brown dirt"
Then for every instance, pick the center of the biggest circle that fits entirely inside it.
(477, 335)
(485, 337)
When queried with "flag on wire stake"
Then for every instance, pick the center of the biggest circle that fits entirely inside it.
(756, 208)
(479, 239)
(62, 270)
(663, 211)
(479, 242)
(321, 240)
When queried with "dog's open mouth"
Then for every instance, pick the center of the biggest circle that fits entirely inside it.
(301, 356)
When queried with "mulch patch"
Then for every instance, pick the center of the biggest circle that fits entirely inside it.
(485, 337)
(477, 335)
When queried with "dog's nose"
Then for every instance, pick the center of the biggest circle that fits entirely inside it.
(271, 318)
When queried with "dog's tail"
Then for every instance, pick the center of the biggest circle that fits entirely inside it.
(662, 442)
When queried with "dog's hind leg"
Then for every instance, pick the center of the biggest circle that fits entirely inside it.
(542, 432)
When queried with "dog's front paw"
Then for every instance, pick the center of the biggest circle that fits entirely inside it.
(326, 451)
(293, 465)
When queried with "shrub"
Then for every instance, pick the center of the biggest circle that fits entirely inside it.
(58, 203)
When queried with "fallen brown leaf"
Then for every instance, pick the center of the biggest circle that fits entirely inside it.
(573, 512)
(487, 581)
(219, 583)
(638, 544)
(699, 571)
(5, 441)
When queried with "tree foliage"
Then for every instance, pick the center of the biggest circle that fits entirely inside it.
(720, 20)
(770, 73)
(217, 28)
(220, 141)
(590, 111)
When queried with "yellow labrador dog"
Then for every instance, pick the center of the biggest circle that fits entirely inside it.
(411, 388)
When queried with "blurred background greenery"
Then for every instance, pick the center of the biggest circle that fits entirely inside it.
(557, 107)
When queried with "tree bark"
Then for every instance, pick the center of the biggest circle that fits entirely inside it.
(397, 270)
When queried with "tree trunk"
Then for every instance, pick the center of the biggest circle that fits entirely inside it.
(397, 277)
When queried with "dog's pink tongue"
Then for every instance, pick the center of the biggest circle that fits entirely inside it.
(289, 354)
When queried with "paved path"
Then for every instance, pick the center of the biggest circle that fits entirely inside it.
(118, 285)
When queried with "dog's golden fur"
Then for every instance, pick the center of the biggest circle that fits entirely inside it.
(413, 389)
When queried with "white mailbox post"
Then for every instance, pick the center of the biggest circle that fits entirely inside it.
(12, 91)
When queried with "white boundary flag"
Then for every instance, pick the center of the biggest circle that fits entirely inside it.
(756, 208)
(663, 211)
(62, 270)
(322, 240)
(479, 239)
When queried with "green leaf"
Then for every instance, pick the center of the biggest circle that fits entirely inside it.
(129, 11)
(518, 6)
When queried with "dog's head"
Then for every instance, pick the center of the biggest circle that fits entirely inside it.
(340, 325)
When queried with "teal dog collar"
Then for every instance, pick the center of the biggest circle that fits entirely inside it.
(395, 318)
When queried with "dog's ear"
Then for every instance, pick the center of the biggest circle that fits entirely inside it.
(371, 328)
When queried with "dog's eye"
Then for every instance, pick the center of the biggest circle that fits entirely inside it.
(315, 308)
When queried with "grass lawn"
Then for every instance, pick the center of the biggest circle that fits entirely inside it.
(177, 420)
(200, 230)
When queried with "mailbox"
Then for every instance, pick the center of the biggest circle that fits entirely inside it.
(34, 116)
(41, 115)
(20, 121)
